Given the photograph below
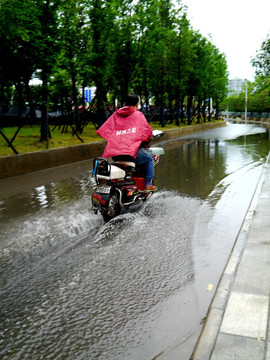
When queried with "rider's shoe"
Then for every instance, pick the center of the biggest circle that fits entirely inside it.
(150, 188)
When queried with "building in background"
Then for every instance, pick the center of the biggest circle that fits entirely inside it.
(236, 86)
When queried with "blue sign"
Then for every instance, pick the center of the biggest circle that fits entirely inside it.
(87, 95)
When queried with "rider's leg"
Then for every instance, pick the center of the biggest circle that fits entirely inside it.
(144, 157)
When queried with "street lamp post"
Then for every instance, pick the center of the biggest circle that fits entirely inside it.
(246, 102)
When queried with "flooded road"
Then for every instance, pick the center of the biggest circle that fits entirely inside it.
(138, 287)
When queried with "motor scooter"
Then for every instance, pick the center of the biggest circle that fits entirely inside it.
(120, 185)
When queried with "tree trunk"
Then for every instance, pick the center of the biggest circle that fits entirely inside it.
(32, 113)
(100, 110)
(217, 111)
(182, 110)
(20, 97)
(162, 118)
(44, 131)
(177, 106)
(204, 108)
(199, 111)
(189, 108)
(75, 102)
(209, 110)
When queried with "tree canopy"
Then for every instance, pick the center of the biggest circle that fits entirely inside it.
(117, 46)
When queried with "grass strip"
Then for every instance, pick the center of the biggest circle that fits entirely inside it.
(27, 140)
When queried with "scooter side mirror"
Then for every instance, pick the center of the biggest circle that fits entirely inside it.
(157, 133)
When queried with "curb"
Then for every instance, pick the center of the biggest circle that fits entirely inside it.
(25, 163)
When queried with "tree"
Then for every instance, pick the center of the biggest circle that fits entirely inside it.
(102, 16)
(220, 80)
(47, 48)
(73, 20)
(161, 37)
(17, 47)
(195, 74)
(181, 58)
(262, 60)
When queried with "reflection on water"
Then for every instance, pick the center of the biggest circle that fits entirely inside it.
(195, 165)
(135, 288)
(52, 194)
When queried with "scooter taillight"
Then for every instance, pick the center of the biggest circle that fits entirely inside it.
(118, 181)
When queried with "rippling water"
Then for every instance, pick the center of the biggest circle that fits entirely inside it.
(100, 293)
(135, 288)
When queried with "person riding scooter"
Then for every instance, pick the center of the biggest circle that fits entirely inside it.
(124, 131)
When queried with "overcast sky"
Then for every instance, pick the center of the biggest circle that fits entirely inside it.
(237, 27)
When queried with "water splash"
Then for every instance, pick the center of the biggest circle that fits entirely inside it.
(107, 292)
(38, 235)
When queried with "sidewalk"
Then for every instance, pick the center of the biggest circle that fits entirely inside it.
(237, 325)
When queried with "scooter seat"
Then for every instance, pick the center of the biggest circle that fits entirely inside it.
(127, 163)
(124, 160)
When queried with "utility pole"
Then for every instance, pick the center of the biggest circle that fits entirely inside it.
(246, 102)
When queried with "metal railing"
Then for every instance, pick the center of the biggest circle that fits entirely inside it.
(241, 114)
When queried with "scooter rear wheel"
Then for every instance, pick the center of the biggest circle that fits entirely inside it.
(114, 209)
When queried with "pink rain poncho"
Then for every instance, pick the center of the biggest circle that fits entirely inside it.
(124, 131)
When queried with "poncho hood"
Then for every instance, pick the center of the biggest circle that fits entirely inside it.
(125, 111)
